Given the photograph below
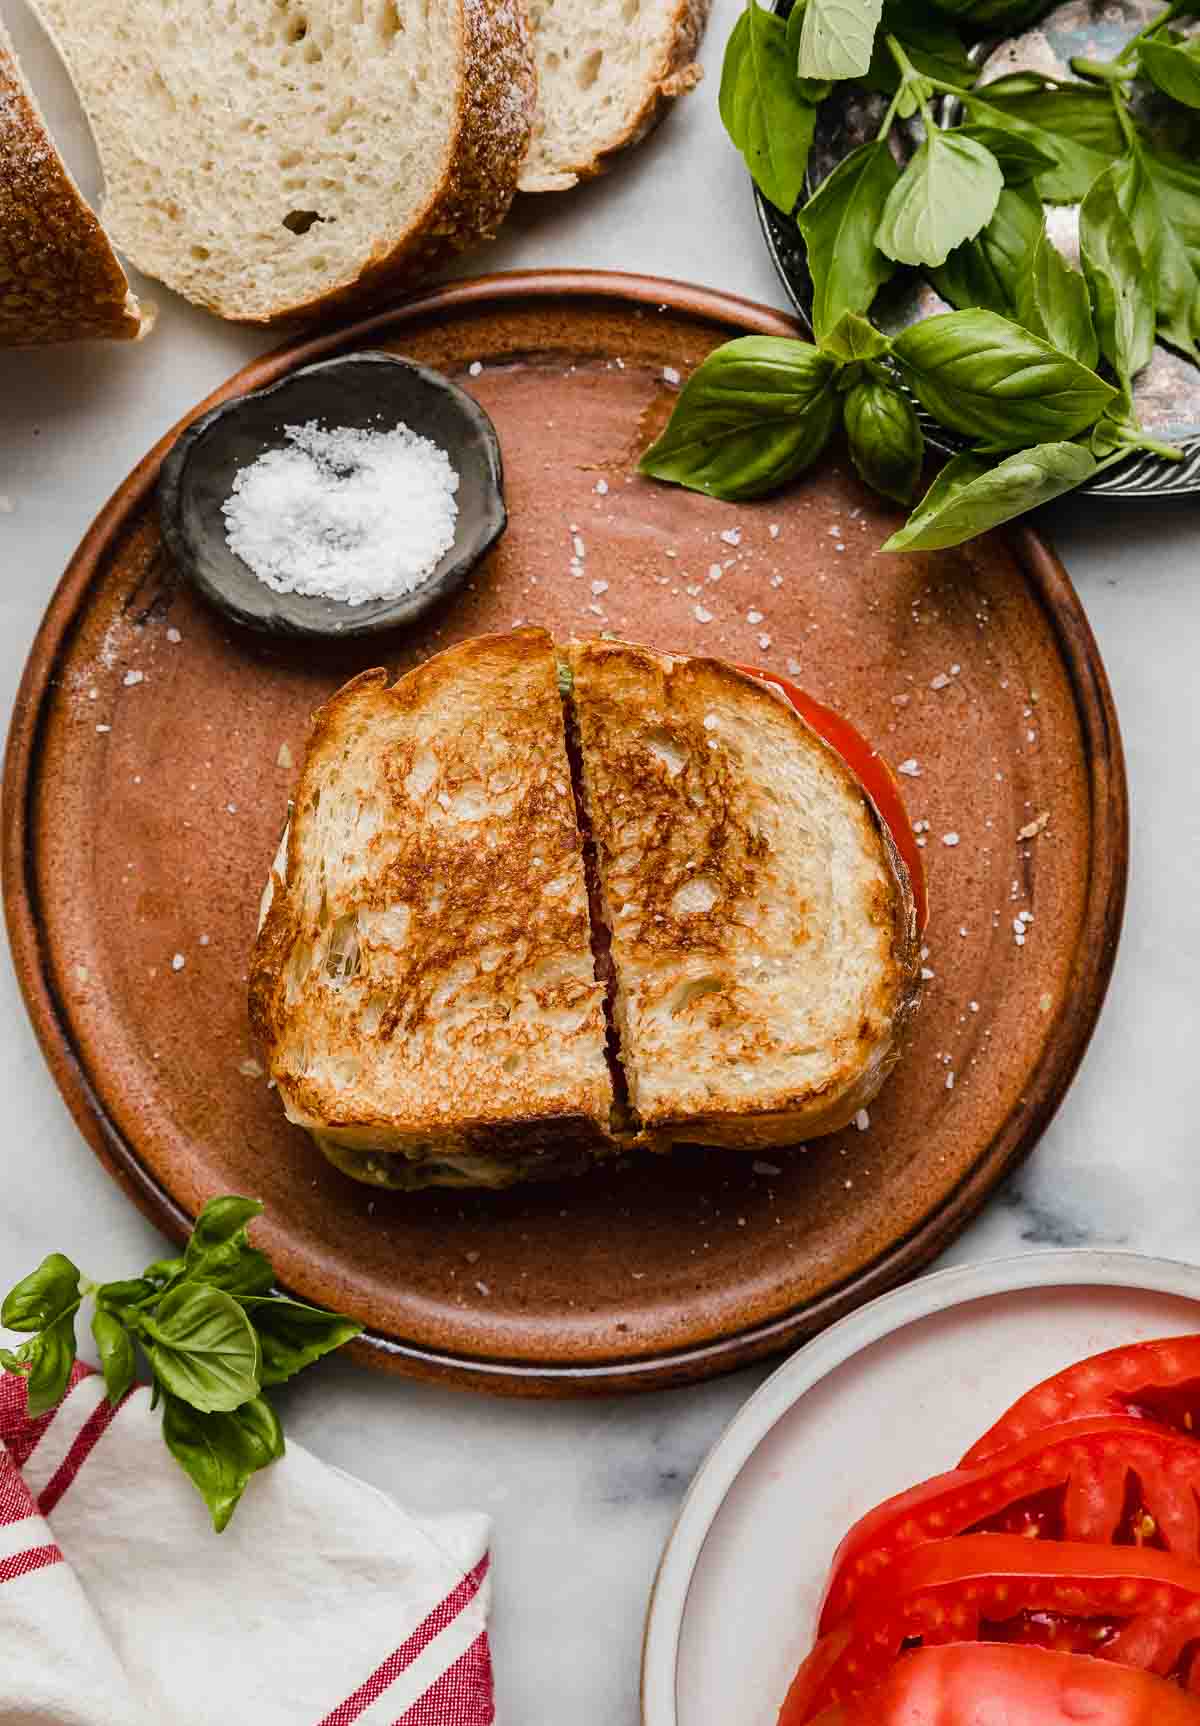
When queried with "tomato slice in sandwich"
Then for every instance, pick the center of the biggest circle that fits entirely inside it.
(1157, 1381)
(872, 771)
(978, 1684)
(1107, 1481)
(1130, 1605)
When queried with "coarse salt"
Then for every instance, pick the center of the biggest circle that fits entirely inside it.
(343, 513)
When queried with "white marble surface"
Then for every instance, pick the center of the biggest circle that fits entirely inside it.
(583, 1495)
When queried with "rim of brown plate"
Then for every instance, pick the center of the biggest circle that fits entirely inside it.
(1064, 1048)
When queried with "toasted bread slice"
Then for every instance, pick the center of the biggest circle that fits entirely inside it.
(607, 72)
(59, 277)
(763, 928)
(276, 159)
(423, 980)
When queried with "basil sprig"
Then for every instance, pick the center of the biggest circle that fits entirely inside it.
(212, 1336)
(1036, 364)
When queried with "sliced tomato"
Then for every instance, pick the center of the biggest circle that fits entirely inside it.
(1157, 1381)
(1131, 1605)
(873, 772)
(1106, 1481)
(974, 1684)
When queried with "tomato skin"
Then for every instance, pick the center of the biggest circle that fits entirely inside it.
(1072, 1478)
(1157, 1381)
(982, 1684)
(1131, 1605)
(871, 770)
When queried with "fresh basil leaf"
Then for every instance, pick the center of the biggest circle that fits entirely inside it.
(758, 410)
(933, 46)
(1176, 184)
(51, 1357)
(836, 37)
(886, 445)
(813, 90)
(839, 223)
(292, 1335)
(1019, 83)
(985, 377)
(43, 1296)
(853, 338)
(203, 1347)
(1174, 68)
(222, 1219)
(220, 1451)
(219, 1254)
(13, 1362)
(1053, 302)
(762, 108)
(1121, 285)
(133, 1292)
(163, 1271)
(948, 192)
(987, 271)
(1019, 157)
(115, 1346)
(969, 496)
(1139, 204)
(1076, 126)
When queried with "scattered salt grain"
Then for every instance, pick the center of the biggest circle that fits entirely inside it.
(284, 758)
(178, 962)
(103, 728)
(1034, 827)
(231, 808)
(205, 939)
(732, 535)
(794, 667)
(670, 374)
(949, 1081)
(949, 838)
(599, 587)
(132, 678)
(343, 513)
(702, 614)
(927, 974)
(754, 617)
(715, 572)
(764, 641)
(862, 1120)
(910, 768)
(601, 488)
(475, 368)
(173, 636)
(761, 1168)
(773, 530)
(941, 681)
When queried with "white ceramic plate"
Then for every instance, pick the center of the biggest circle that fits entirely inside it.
(893, 1393)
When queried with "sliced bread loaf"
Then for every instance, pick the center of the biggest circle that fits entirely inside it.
(607, 71)
(59, 279)
(275, 159)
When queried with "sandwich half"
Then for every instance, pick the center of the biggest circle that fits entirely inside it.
(423, 979)
(535, 907)
(763, 930)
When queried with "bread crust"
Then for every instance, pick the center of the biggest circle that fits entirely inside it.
(59, 277)
(494, 110)
(677, 71)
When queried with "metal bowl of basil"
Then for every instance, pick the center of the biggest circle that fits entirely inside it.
(1053, 132)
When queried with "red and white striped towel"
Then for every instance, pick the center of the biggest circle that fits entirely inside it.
(322, 1604)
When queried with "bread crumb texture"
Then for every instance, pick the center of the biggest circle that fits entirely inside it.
(59, 278)
(272, 159)
(606, 73)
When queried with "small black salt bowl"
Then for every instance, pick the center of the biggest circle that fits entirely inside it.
(367, 391)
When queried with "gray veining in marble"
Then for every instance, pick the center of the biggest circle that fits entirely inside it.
(583, 1495)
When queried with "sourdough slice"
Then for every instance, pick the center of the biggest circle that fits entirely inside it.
(423, 980)
(607, 72)
(59, 278)
(763, 929)
(272, 159)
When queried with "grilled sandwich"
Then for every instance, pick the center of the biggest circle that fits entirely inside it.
(537, 906)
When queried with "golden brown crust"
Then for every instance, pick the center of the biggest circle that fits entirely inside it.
(677, 72)
(690, 824)
(59, 277)
(454, 868)
(496, 105)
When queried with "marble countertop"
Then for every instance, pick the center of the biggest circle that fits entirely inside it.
(584, 1494)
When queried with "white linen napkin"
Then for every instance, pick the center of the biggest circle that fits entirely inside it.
(322, 1604)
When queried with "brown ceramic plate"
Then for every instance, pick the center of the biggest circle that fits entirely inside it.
(150, 761)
